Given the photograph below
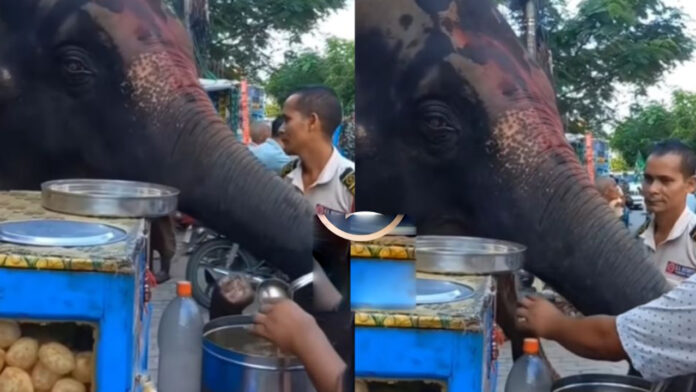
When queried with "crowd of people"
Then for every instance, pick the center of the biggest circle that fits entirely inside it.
(658, 338)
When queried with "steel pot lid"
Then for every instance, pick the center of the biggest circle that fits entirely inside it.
(109, 198)
(434, 291)
(467, 255)
(59, 233)
(601, 383)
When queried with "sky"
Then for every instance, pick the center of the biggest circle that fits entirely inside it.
(340, 24)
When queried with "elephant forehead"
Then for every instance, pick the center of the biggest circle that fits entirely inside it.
(400, 25)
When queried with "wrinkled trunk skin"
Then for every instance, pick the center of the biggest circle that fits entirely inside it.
(223, 185)
(584, 252)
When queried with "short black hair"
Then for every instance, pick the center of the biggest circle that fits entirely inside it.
(323, 101)
(275, 126)
(688, 158)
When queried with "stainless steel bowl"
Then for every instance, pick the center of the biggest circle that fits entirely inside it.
(601, 383)
(109, 198)
(467, 255)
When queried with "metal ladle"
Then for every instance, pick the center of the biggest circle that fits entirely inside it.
(271, 290)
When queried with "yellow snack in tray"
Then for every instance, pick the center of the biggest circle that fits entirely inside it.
(68, 385)
(84, 367)
(9, 333)
(57, 358)
(14, 379)
(42, 378)
(23, 353)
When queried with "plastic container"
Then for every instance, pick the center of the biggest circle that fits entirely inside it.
(529, 373)
(180, 344)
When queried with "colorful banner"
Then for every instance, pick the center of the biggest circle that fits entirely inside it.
(246, 137)
(589, 156)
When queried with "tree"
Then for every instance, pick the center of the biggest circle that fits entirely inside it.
(606, 44)
(618, 164)
(649, 124)
(335, 68)
(641, 129)
(240, 30)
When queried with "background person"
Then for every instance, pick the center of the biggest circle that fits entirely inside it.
(271, 152)
(259, 132)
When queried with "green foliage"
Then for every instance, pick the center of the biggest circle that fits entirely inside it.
(241, 29)
(606, 44)
(649, 124)
(335, 68)
(273, 110)
(618, 164)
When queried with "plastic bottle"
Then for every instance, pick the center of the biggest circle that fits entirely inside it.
(180, 344)
(529, 373)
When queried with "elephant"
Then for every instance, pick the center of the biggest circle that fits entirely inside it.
(110, 89)
(458, 128)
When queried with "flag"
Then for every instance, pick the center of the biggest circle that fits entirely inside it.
(639, 166)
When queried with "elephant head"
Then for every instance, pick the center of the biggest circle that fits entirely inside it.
(109, 88)
(458, 128)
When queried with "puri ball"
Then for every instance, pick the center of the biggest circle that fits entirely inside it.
(14, 379)
(57, 358)
(23, 353)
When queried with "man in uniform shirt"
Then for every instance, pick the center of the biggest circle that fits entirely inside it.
(671, 230)
(325, 177)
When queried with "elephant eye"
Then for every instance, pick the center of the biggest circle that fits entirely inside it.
(436, 122)
(75, 68)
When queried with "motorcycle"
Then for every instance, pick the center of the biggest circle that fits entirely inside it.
(213, 256)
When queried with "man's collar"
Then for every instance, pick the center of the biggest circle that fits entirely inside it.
(680, 226)
(326, 174)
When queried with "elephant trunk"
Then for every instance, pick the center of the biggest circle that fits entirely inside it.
(582, 250)
(224, 185)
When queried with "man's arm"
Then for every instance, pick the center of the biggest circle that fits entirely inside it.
(593, 337)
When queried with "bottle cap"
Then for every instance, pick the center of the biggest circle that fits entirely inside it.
(530, 346)
(183, 288)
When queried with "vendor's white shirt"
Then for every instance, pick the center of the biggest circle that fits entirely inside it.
(676, 257)
(660, 336)
(328, 190)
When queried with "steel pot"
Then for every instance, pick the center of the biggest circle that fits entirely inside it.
(601, 383)
(236, 360)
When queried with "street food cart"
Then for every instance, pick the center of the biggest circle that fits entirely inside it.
(79, 281)
(444, 341)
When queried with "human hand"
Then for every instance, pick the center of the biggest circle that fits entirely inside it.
(538, 316)
(285, 324)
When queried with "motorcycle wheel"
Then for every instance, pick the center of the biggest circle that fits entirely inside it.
(214, 255)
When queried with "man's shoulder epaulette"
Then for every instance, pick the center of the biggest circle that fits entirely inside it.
(290, 166)
(643, 227)
(348, 179)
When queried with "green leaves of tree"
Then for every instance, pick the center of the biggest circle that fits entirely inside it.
(334, 68)
(241, 29)
(649, 124)
(606, 44)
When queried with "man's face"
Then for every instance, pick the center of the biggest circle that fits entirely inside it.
(664, 185)
(296, 127)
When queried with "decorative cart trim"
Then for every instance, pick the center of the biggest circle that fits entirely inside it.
(389, 247)
(111, 258)
(466, 315)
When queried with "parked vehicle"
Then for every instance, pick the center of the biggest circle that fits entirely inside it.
(219, 256)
